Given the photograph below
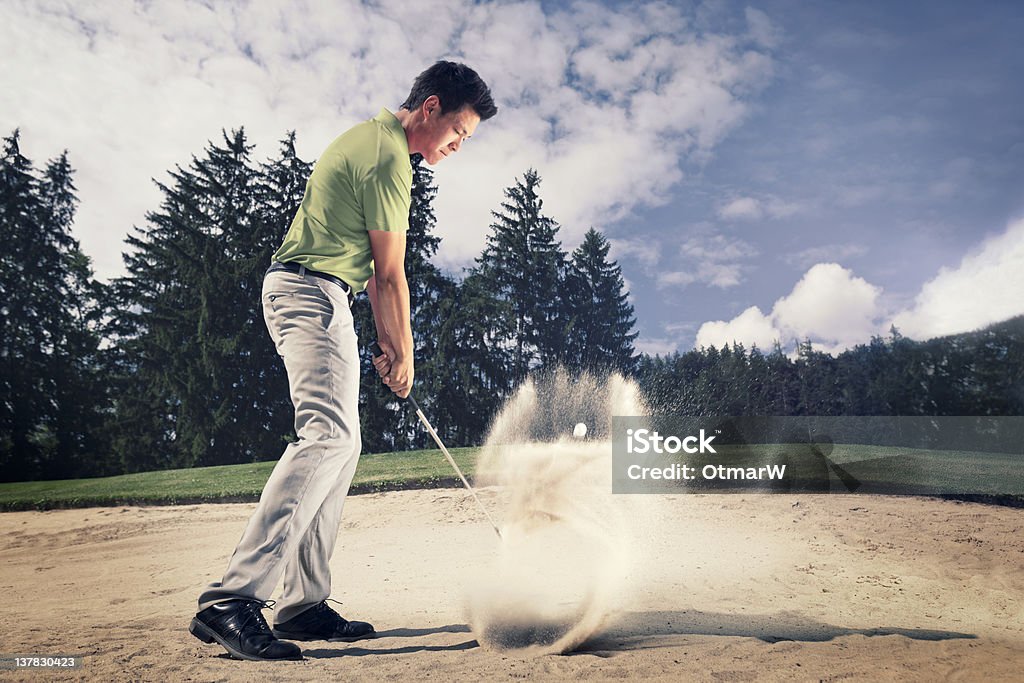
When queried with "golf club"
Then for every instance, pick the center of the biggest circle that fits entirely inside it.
(376, 352)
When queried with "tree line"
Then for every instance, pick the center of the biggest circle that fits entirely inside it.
(170, 365)
(976, 373)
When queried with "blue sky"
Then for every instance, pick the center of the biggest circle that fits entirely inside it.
(893, 134)
(765, 170)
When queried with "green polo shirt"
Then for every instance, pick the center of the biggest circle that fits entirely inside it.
(363, 181)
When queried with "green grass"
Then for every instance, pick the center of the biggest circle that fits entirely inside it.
(988, 477)
(970, 475)
(229, 483)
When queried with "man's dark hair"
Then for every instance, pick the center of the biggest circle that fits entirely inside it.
(456, 85)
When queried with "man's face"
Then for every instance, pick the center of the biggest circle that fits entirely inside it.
(443, 134)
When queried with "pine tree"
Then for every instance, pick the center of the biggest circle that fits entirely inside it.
(523, 269)
(783, 380)
(599, 334)
(23, 303)
(478, 361)
(195, 350)
(23, 356)
(73, 381)
(759, 387)
(52, 396)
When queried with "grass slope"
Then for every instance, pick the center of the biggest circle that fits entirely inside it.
(229, 483)
(983, 477)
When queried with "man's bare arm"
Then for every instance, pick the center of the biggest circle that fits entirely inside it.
(389, 297)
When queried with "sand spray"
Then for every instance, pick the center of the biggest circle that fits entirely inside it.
(561, 569)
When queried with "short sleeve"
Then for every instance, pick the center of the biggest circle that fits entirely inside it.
(387, 196)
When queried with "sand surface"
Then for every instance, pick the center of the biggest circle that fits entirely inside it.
(725, 588)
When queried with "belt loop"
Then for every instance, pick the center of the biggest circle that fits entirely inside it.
(302, 271)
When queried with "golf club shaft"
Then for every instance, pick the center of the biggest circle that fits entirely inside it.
(451, 461)
(376, 351)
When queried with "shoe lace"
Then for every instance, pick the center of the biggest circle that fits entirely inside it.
(253, 615)
(325, 609)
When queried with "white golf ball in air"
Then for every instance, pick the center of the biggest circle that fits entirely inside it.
(580, 430)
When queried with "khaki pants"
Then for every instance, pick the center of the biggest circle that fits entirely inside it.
(293, 530)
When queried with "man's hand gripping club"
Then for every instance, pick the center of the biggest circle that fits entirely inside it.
(396, 373)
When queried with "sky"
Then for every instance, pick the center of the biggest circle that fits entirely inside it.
(764, 171)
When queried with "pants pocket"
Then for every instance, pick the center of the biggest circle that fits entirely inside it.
(275, 300)
(273, 303)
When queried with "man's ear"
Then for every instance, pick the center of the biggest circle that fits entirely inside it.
(431, 104)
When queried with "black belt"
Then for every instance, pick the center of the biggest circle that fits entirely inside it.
(293, 267)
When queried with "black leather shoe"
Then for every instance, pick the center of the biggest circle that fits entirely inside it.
(239, 626)
(320, 622)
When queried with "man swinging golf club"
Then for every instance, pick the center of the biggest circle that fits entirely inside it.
(348, 235)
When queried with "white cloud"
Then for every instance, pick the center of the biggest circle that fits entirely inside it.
(836, 309)
(748, 328)
(987, 287)
(756, 208)
(605, 103)
(674, 278)
(662, 346)
(829, 305)
(716, 248)
(723, 276)
(761, 28)
(668, 343)
(744, 207)
(713, 260)
(646, 252)
(777, 208)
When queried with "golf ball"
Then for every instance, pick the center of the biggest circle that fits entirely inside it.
(580, 430)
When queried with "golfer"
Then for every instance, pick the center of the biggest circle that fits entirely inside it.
(348, 235)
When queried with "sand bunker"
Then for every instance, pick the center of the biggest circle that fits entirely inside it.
(739, 588)
(719, 587)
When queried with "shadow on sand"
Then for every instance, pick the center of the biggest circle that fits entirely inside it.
(647, 630)
(637, 630)
(363, 649)
(416, 632)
